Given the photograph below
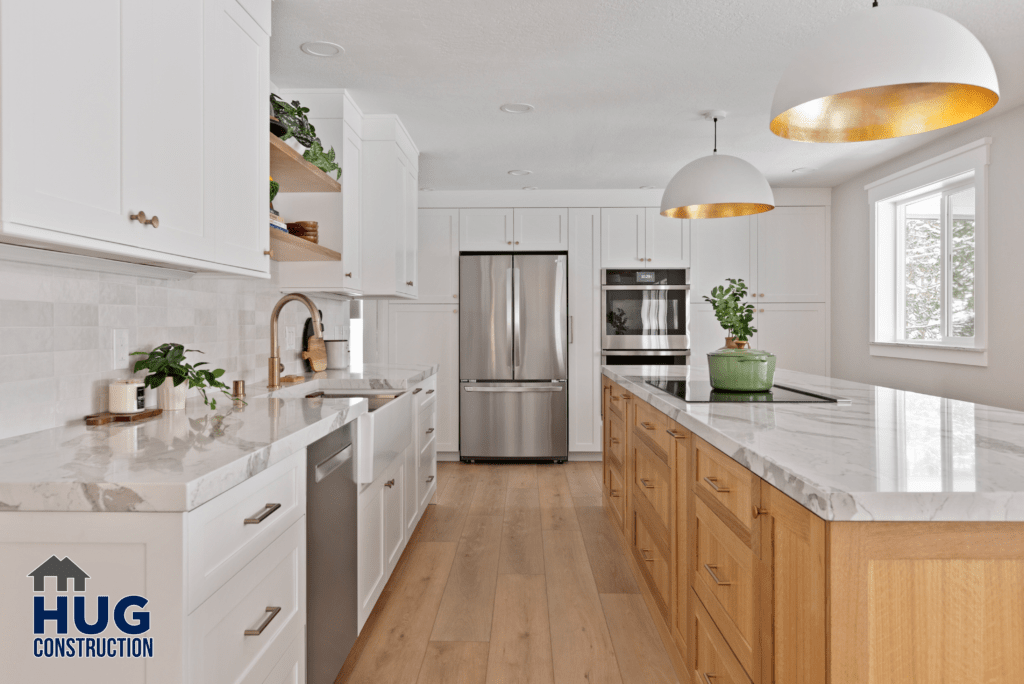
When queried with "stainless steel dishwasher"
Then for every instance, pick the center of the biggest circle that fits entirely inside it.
(331, 574)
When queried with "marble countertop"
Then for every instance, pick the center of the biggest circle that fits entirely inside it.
(890, 455)
(181, 459)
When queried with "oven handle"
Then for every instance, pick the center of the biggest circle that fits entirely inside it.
(645, 287)
(658, 352)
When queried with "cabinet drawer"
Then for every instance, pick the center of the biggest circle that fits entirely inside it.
(617, 440)
(654, 425)
(726, 482)
(267, 596)
(425, 392)
(617, 495)
(711, 660)
(618, 402)
(723, 577)
(291, 668)
(221, 542)
(652, 554)
(653, 478)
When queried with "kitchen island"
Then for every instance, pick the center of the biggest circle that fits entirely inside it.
(875, 540)
(202, 514)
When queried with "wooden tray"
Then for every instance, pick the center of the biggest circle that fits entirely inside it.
(108, 417)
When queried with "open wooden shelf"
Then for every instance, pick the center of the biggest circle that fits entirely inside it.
(287, 247)
(294, 174)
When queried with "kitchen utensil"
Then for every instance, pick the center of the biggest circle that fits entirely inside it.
(337, 354)
(126, 396)
(108, 417)
(741, 370)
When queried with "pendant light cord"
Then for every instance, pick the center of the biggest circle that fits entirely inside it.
(716, 136)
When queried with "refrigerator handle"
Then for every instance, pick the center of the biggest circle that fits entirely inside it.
(517, 341)
(508, 306)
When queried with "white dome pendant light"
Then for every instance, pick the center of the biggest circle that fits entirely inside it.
(717, 186)
(884, 72)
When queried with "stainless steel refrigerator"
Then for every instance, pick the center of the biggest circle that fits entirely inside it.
(513, 357)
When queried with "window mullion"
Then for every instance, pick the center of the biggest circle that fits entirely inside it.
(947, 268)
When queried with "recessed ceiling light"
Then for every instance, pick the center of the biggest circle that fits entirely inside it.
(647, 187)
(519, 172)
(530, 187)
(321, 48)
(516, 108)
(804, 169)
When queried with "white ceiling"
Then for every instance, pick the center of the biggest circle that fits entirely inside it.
(618, 85)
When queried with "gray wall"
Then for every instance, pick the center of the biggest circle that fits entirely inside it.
(1001, 383)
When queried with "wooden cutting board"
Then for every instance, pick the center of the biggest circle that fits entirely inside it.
(107, 417)
(316, 354)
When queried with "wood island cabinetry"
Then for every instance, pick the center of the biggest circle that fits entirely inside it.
(747, 586)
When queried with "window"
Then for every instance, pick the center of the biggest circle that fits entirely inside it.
(928, 259)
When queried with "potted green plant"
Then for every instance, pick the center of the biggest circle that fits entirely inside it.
(732, 314)
(172, 376)
(292, 115)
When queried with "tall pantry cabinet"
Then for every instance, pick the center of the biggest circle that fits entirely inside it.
(117, 175)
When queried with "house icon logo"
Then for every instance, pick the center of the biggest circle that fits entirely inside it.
(63, 570)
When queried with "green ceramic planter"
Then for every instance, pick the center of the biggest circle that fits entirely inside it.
(741, 370)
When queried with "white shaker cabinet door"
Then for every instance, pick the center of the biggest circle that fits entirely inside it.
(62, 150)
(238, 157)
(792, 255)
(163, 160)
(722, 248)
(411, 493)
(540, 230)
(623, 238)
(372, 567)
(438, 256)
(394, 505)
(482, 230)
(352, 209)
(668, 241)
(797, 334)
(584, 340)
(411, 206)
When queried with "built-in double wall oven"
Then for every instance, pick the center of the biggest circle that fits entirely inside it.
(645, 317)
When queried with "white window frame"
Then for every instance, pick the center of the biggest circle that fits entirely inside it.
(943, 174)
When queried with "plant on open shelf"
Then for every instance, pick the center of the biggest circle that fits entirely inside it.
(169, 373)
(293, 116)
(732, 314)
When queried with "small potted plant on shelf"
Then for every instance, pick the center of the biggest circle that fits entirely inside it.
(734, 367)
(172, 377)
(292, 116)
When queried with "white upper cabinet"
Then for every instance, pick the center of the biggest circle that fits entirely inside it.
(667, 242)
(797, 333)
(540, 230)
(623, 238)
(485, 230)
(722, 248)
(791, 255)
(438, 267)
(73, 174)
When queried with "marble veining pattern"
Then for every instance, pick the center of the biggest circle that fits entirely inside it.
(181, 459)
(890, 456)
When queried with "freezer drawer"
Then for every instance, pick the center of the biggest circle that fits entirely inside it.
(514, 420)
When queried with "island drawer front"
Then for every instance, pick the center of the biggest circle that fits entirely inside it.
(618, 401)
(269, 596)
(617, 440)
(220, 542)
(723, 574)
(427, 392)
(653, 477)
(727, 483)
(617, 495)
(654, 425)
(710, 658)
(291, 668)
(653, 555)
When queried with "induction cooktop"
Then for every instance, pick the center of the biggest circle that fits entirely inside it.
(701, 391)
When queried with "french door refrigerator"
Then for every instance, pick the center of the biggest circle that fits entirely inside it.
(513, 357)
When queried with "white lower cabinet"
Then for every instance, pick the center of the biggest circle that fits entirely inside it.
(426, 472)
(291, 668)
(394, 521)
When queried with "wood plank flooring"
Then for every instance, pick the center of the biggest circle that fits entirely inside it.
(514, 575)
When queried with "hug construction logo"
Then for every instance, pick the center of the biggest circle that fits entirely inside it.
(111, 634)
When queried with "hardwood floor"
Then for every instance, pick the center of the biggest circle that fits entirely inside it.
(514, 576)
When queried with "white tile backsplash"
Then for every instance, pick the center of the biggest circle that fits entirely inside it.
(56, 345)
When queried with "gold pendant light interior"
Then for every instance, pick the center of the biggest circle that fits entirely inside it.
(724, 210)
(883, 112)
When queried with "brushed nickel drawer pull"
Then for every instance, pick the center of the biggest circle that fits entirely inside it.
(430, 430)
(707, 677)
(624, 397)
(648, 426)
(713, 483)
(430, 479)
(613, 493)
(430, 391)
(262, 515)
(711, 571)
(613, 440)
(273, 610)
(645, 483)
(643, 554)
(389, 484)
(417, 390)
(675, 435)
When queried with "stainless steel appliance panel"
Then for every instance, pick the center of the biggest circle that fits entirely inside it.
(645, 316)
(645, 358)
(540, 319)
(485, 317)
(514, 420)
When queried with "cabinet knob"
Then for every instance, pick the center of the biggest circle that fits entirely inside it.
(760, 310)
(141, 218)
(517, 242)
(510, 242)
(269, 253)
(761, 295)
(455, 296)
(409, 283)
(389, 484)
(348, 275)
(758, 511)
(648, 258)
